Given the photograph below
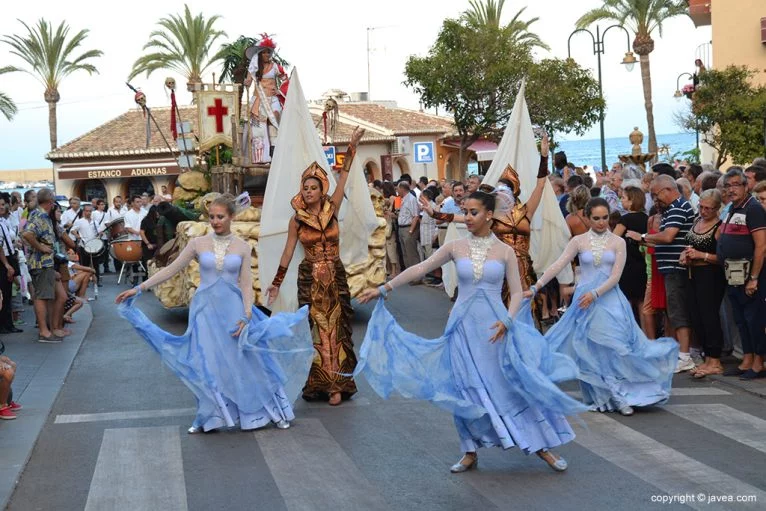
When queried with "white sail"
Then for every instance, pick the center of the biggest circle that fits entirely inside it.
(297, 147)
(550, 233)
(358, 219)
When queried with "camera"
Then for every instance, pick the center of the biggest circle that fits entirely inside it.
(60, 258)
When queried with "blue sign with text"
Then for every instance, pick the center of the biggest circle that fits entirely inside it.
(424, 152)
(329, 152)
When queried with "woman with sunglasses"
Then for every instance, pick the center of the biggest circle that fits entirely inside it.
(619, 367)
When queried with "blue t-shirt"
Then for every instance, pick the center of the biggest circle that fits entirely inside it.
(681, 216)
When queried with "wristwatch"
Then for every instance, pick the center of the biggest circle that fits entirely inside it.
(643, 237)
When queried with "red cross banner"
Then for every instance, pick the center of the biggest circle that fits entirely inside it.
(215, 109)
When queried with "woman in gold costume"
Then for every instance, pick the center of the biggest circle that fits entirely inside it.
(322, 283)
(513, 226)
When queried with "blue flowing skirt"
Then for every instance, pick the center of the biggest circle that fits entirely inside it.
(501, 394)
(251, 380)
(619, 366)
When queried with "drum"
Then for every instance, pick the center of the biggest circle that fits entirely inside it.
(94, 247)
(116, 228)
(126, 251)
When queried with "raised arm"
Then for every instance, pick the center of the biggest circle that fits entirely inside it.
(514, 281)
(542, 176)
(566, 257)
(438, 215)
(246, 279)
(337, 196)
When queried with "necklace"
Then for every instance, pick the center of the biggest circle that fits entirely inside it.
(597, 244)
(220, 246)
(479, 247)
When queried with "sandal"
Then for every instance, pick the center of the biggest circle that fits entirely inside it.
(701, 373)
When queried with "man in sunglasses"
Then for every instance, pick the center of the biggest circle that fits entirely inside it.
(670, 242)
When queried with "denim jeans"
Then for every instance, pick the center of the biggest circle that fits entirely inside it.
(749, 316)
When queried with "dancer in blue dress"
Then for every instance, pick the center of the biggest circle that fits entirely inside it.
(242, 366)
(619, 367)
(500, 387)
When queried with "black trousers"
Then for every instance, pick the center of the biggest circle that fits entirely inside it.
(6, 286)
(704, 295)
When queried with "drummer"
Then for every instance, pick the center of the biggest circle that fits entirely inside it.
(84, 231)
(100, 221)
(133, 219)
(117, 210)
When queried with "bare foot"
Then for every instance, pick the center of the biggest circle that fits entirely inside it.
(335, 399)
(62, 333)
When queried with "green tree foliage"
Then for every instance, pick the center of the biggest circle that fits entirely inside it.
(50, 57)
(487, 15)
(475, 72)
(563, 97)
(729, 112)
(642, 17)
(182, 44)
(7, 106)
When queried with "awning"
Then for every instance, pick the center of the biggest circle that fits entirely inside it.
(485, 149)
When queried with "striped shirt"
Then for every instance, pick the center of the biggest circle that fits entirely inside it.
(681, 216)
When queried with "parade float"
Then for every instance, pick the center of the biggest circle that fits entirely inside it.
(250, 134)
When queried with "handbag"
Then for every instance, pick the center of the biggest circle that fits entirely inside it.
(13, 260)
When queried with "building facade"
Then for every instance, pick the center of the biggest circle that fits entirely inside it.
(117, 158)
(739, 38)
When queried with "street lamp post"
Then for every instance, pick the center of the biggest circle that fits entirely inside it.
(598, 49)
(678, 94)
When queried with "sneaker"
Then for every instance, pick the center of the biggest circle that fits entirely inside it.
(15, 407)
(684, 365)
(6, 413)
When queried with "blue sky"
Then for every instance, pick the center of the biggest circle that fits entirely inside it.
(328, 43)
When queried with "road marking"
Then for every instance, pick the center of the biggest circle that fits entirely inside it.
(139, 469)
(118, 416)
(671, 471)
(678, 392)
(296, 457)
(699, 391)
(725, 420)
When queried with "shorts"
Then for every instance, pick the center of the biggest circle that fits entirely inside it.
(676, 293)
(72, 286)
(44, 281)
(71, 300)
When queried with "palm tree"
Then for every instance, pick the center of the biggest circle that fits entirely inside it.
(7, 106)
(642, 17)
(50, 57)
(235, 62)
(488, 14)
(183, 45)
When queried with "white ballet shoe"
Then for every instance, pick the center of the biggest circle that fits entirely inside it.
(627, 411)
(557, 463)
(283, 424)
(461, 467)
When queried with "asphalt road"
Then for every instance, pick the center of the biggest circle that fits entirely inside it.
(116, 439)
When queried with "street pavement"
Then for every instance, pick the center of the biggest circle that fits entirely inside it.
(116, 439)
